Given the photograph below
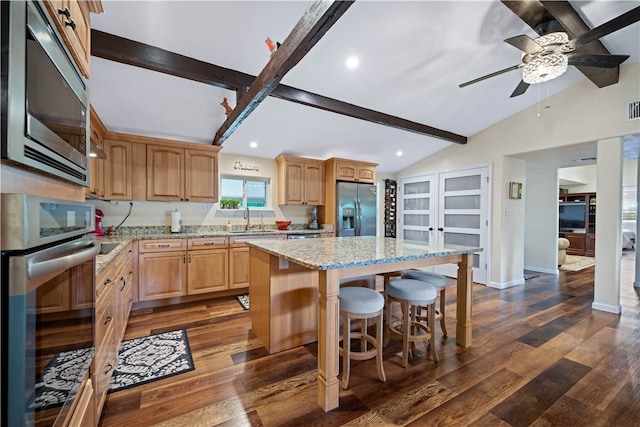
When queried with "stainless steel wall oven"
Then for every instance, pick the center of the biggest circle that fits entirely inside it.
(44, 108)
(47, 298)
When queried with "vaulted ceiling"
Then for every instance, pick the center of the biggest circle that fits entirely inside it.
(412, 57)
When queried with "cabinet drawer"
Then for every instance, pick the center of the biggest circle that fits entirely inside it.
(207, 243)
(122, 258)
(240, 240)
(105, 317)
(162, 245)
(105, 279)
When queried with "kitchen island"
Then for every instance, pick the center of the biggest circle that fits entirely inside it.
(285, 274)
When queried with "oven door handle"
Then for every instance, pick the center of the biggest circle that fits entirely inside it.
(33, 270)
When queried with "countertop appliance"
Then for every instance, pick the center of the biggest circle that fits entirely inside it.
(47, 296)
(44, 122)
(356, 209)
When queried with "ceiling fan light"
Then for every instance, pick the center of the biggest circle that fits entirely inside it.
(542, 68)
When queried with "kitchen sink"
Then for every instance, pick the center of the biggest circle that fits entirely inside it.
(105, 248)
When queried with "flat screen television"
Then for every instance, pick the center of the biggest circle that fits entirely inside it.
(571, 217)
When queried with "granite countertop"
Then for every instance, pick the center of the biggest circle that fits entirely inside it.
(152, 233)
(344, 252)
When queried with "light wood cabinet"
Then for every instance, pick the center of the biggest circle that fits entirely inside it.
(82, 292)
(113, 303)
(96, 165)
(208, 260)
(240, 260)
(346, 170)
(300, 181)
(70, 290)
(124, 170)
(72, 18)
(162, 269)
(181, 174)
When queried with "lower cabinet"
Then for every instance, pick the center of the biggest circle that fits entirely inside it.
(162, 269)
(208, 259)
(113, 291)
(240, 260)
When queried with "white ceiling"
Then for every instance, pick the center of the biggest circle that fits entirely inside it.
(413, 56)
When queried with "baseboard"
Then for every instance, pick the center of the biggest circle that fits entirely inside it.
(616, 309)
(506, 285)
(542, 270)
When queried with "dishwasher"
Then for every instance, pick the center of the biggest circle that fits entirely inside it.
(303, 236)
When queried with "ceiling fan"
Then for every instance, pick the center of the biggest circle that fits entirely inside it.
(548, 56)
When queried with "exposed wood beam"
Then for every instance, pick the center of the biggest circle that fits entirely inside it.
(535, 12)
(130, 52)
(313, 25)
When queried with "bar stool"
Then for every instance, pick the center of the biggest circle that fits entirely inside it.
(440, 283)
(362, 304)
(411, 294)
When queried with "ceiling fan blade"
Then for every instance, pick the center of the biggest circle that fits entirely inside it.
(497, 73)
(520, 89)
(596, 60)
(609, 27)
(525, 44)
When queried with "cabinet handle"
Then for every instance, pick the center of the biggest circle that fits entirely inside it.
(123, 283)
(71, 24)
(109, 368)
(209, 243)
(163, 246)
(108, 319)
(106, 282)
(130, 300)
(189, 258)
(66, 12)
(184, 259)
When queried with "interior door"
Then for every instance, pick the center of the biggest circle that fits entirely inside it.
(463, 216)
(417, 208)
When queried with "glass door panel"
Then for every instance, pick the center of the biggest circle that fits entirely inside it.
(417, 208)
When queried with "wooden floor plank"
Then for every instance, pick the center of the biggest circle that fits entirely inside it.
(540, 341)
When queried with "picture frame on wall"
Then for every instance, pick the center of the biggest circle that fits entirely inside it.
(515, 190)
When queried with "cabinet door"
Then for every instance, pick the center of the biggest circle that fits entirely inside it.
(201, 176)
(53, 296)
(366, 174)
(239, 267)
(346, 171)
(314, 184)
(165, 173)
(117, 170)
(82, 292)
(207, 271)
(161, 275)
(294, 183)
(74, 29)
(96, 179)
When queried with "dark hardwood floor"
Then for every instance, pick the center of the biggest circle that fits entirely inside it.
(540, 356)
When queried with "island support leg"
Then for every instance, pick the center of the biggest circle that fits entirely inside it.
(464, 300)
(328, 358)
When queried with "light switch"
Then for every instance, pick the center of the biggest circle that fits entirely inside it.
(283, 263)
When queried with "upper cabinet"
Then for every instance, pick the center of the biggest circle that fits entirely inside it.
(184, 174)
(96, 168)
(300, 181)
(72, 18)
(348, 170)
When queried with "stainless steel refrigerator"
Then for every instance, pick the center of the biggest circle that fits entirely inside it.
(356, 209)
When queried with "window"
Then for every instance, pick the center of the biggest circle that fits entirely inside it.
(250, 192)
(629, 203)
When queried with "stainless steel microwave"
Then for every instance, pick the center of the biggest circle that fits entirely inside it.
(44, 119)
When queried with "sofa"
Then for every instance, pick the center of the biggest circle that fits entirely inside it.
(563, 244)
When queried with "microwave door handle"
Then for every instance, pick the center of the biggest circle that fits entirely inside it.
(31, 271)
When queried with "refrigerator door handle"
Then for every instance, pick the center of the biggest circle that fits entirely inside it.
(358, 216)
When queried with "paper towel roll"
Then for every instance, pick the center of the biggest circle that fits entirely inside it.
(175, 221)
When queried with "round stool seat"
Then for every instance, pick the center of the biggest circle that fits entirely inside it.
(415, 292)
(437, 280)
(359, 300)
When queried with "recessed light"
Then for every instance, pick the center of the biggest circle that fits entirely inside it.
(352, 62)
(398, 153)
(253, 144)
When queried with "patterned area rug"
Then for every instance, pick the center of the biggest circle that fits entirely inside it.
(140, 361)
(147, 359)
(577, 263)
(244, 301)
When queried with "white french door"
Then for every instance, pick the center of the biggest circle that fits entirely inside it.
(417, 208)
(450, 207)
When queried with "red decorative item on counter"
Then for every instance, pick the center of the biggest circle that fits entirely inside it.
(283, 225)
(99, 231)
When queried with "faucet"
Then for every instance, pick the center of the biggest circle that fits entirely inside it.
(246, 216)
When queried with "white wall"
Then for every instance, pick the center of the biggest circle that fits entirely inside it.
(541, 225)
(580, 113)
